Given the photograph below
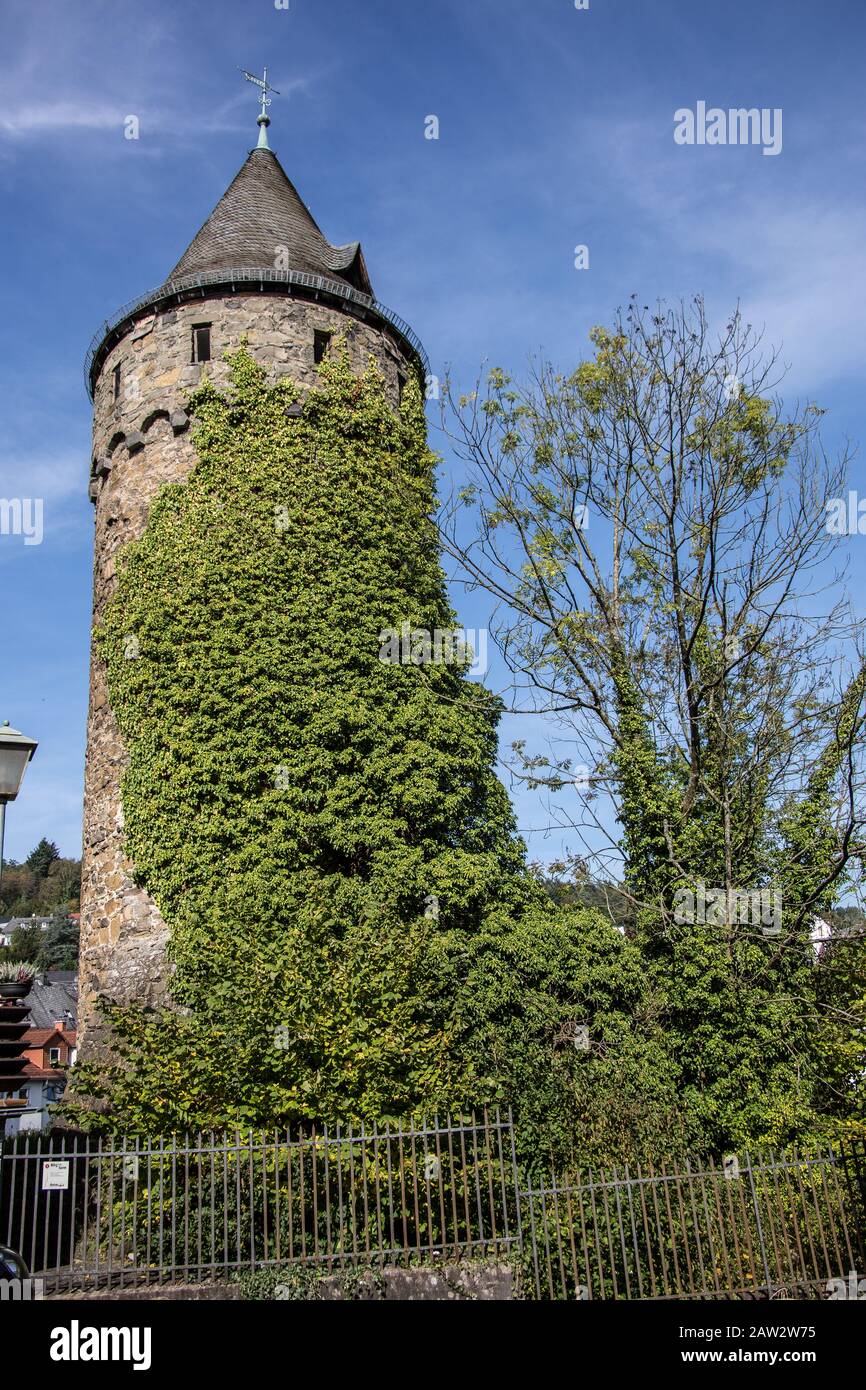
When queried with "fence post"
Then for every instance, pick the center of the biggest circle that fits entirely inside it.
(767, 1278)
(853, 1154)
(516, 1181)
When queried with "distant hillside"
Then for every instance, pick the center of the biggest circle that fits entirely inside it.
(606, 898)
(45, 884)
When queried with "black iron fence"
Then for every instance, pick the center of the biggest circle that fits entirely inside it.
(89, 1213)
(759, 1226)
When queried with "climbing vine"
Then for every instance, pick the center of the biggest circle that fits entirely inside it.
(311, 820)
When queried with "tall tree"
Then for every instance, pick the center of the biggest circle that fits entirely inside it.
(25, 943)
(654, 529)
(42, 857)
(58, 949)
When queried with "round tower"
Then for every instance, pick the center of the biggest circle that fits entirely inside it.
(259, 268)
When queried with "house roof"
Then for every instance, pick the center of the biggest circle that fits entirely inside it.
(261, 222)
(32, 921)
(38, 1037)
(54, 994)
(30, 1072)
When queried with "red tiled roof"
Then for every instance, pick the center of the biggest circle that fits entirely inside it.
(38, 1037)
(30, 1072)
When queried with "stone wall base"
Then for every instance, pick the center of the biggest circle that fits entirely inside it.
(418, 1284)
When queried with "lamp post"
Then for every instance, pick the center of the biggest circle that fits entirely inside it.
(15, 753)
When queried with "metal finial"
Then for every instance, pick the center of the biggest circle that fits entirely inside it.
(264, 119)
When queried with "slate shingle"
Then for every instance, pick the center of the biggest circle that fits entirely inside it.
(260, 213)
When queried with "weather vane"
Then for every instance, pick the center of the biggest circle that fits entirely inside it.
(264, 119)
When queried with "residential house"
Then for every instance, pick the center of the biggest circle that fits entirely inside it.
(48, 1048)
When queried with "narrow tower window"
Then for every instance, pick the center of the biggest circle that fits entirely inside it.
(201, 342)
(116, 376)
(401, 386)
(321, 339)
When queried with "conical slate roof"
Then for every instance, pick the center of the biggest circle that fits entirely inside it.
(259, 232)
(261, 221)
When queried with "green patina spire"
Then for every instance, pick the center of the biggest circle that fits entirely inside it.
(264, 119)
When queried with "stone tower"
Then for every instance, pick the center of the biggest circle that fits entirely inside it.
(259, 268)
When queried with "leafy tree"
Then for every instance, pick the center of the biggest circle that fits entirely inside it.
(42, 857)
(25, 893)
(19, 890)
(652, 526)
(570, 885)
(63, 886)
(58, 949)
(558, 1019)
(24, 943)
(840, 1035)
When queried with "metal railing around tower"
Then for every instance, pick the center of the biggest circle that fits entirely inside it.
(245, 275)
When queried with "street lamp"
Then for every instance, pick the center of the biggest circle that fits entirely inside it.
(15, 753)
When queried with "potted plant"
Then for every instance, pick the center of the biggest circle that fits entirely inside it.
(16, 979)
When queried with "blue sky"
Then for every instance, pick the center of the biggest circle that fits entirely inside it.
(556, 129)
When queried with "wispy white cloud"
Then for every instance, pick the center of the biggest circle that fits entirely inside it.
(58, 115)
(803, 277)
(795, 262)
(80, 112)
(52, 476)
(19, 122)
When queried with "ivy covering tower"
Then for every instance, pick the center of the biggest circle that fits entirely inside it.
(259, 270)
(294, 835)
(313, 818)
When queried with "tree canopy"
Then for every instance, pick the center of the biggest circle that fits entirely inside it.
(46, 884)
(654, 529)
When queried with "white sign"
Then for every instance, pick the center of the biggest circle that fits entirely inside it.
(55, 1177)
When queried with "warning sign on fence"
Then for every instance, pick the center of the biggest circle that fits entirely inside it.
(55, 1177)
